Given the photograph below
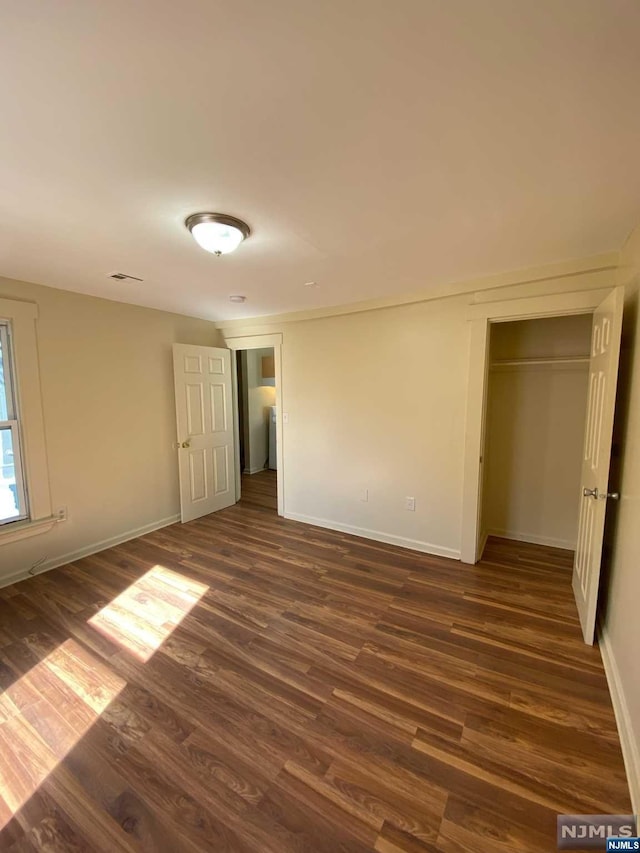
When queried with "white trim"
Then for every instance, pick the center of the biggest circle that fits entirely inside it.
(630, 747)
(376, 535)
(551, 305)
(26, 369)
(474, 439)
(244, 342)
(480, 317)
(533, 538)
(12, 531)
(88, 550)
(254, 341)
(16, 309)
(255, 470)
(558, 272)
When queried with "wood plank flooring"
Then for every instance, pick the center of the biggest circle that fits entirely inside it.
(259, 490)
(246, 683)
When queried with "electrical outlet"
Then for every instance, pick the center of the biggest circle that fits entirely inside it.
(61, 513)
(364, 495)
(410, 504)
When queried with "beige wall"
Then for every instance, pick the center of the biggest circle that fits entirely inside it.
(535, 431)
(107, 388)
(259, 397)
(622, 599)
(377, 401)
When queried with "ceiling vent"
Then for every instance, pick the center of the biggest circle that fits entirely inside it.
(120, 276)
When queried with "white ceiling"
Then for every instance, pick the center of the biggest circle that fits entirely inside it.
(374, 146)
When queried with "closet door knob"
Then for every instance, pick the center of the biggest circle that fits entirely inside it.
(601, 496)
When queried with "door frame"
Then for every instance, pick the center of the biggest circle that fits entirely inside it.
(259, 342)
(480, 317)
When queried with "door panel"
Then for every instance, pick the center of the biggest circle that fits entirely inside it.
(197, 475)
(603, 374)
(221, 470)
(203, 386)
(218, 407)
(195, 410)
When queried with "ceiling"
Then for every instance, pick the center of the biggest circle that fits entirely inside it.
(374, 147)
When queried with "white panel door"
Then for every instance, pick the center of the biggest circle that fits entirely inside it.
(205, 429)
(603, 375)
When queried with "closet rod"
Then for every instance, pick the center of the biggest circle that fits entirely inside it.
(513, 362)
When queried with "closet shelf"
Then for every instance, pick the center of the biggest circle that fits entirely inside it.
(515, 362)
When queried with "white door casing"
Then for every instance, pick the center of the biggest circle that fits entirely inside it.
(480, 316)
(260, 341)
(603, 374)
(204, 416)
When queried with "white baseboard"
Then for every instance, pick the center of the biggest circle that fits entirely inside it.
(533, 538)
(376, 535)
(630, 746)
(94, 548)
(254, 470)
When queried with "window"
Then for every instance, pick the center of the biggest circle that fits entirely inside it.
(25, 499)
(13, 503)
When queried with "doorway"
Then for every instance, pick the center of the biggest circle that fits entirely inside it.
(537, 388)
(258, 419)
(257, 426)
(605, 307)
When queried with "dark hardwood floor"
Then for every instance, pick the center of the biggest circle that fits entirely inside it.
(259, 490)
(247, 683)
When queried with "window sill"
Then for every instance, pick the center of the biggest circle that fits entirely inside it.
(16, 530)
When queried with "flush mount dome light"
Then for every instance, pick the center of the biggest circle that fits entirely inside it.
(217, 232)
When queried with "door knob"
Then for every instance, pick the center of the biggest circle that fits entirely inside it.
(602, 496)
(186, 444)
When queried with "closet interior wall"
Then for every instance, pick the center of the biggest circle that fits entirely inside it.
(536, 405)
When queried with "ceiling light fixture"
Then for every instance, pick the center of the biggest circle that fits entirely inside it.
(217, 232)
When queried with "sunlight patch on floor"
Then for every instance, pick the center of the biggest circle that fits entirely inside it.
(142, 617)
(44, 714)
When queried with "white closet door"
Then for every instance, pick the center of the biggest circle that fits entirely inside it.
(603, 374)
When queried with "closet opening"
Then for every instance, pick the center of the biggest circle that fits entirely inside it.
(536, 403)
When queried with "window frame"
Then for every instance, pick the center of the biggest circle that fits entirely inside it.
(21, 318)
(12, 423)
